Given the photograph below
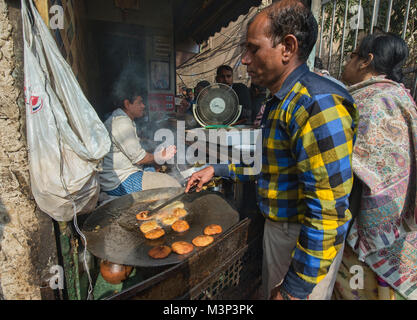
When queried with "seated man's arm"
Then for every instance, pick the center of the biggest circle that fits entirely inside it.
(125, 137)
(147, 159)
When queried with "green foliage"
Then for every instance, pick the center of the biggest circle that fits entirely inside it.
(397, 18)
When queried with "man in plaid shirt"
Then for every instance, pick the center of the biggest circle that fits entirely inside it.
(308, 134)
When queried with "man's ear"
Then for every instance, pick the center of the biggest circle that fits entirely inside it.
(126, 103)
(290, 47)
(365, 63)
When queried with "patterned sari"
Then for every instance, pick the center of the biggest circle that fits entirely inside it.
(384, 233)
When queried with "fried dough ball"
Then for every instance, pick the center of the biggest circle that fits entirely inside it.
(169, 220)
(182, 247)
(148, 226)
(143, 215)
(202, 241)
(154, 234)
(212, 229)
(180, 226)
(180, 212)
(159, 252)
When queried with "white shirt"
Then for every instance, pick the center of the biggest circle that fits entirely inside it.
(125, 151)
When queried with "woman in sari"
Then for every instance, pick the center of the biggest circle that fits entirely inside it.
(380, 259)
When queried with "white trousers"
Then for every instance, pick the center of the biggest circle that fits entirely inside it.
(279, 241)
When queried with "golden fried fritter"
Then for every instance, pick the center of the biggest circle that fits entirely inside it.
(154, 234)
(159, 252)
(202, 241)
(169, 220)
(212, 229)
(182, 247)
(148, 226)
(180, 226)
(180, 212)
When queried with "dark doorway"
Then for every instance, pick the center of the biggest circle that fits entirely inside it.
(120, 52)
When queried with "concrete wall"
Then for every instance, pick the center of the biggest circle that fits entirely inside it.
(27, 243)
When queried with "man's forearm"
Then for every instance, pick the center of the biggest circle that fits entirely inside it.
(147, 159)
(221, 170)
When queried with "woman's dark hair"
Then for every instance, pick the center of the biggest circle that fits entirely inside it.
(318, 63)
(390, 53)
(292, 17)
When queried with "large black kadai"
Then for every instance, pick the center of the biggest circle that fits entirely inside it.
(113, 233)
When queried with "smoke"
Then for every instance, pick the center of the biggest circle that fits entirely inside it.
(129, 84)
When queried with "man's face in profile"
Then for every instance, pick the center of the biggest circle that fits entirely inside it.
(225, 77)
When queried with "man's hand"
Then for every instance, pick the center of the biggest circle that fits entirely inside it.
(183, 106)
(163, 156)
(199, 178)
(279, 293)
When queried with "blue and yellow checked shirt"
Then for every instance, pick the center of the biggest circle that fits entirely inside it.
(308, 135)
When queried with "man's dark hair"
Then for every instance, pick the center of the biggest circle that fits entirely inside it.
(202, 84)
(292, 17)
(130, 91)
(390, 53)
(224, 67)
(318, 63)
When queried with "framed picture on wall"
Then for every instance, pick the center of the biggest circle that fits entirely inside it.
(160, 75)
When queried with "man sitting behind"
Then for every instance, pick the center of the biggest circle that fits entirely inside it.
(224, 75)
(123, 166)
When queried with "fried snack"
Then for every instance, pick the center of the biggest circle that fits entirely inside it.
(202, 241)
(154, 234)
(143, 215)
(162, 214)
(180, 212)
(159, 252)
(169, 220)
(148, 226)
(213, 229)
(180, 226)
(182, 247)
(169, 209)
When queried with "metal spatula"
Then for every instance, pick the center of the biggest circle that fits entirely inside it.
(170, 200)
(130, 222)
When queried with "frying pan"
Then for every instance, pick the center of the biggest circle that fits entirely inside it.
(113, 233)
